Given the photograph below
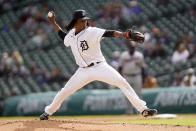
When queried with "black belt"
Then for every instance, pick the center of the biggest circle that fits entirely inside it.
(92, 64)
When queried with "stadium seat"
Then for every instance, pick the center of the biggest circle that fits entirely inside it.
(169, 17)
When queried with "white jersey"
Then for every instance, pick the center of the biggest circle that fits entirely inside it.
(180, 57)
(85, 45)
(132, 65)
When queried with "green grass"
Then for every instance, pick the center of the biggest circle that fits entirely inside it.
(177, 121)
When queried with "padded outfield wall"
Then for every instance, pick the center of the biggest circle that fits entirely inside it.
(102, 102)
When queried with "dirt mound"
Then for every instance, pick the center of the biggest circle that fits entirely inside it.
(83, 124)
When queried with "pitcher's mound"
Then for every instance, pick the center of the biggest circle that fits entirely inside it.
(84, 124)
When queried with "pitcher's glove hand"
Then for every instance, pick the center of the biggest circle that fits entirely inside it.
(134, 35)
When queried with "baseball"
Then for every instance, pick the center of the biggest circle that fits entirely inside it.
(50, 14)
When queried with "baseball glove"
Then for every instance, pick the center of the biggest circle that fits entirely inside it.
(134, 35)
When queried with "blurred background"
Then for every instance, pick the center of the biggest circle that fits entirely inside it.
(33, 59)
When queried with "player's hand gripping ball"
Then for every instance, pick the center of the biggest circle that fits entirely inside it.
(51, 17)
(136, 36)
(50, 14)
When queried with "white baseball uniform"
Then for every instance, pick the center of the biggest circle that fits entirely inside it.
(85, 47)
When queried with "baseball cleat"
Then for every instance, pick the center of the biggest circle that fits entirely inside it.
(44, 116)
(149, 112)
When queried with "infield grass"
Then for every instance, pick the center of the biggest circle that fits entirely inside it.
(176, 122)
(181, 120)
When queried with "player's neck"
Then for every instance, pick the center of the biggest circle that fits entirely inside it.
(78, 30)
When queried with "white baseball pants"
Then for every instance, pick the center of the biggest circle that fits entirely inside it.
(101, 72)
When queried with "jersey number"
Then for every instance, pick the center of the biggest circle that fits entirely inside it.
(84, 45)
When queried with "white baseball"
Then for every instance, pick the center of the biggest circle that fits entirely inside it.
(50, 14)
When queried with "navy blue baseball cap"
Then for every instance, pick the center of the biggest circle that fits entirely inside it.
(80, 14)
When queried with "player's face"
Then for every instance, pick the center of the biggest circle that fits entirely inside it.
(81, 23)
(131, 49)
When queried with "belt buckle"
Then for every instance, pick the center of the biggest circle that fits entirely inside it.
(92, 64)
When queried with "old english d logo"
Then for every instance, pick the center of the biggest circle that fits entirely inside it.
(84, 45)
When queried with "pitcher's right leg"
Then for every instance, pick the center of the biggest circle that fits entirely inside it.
(78, 80)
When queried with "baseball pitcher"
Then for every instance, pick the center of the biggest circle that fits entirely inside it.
(84, 42)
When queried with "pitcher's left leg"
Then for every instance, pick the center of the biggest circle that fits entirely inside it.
(136, 83)
(109, 75)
